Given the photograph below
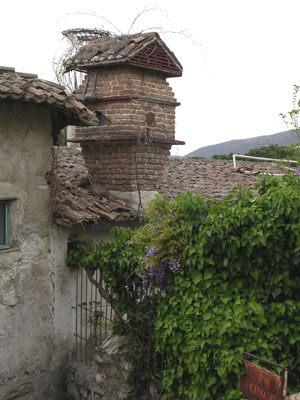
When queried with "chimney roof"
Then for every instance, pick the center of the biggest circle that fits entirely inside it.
(144, 50)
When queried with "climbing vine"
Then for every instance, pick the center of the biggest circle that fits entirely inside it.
(211, 280)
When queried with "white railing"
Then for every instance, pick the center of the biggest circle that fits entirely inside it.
(235, 156)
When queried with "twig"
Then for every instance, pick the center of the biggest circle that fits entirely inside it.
(98, 285)
(92, 15)
(145, 10)
(138, 182)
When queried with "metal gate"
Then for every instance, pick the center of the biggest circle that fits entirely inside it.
(94, 317)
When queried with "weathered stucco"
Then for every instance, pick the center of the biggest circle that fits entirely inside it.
(25, 292)
(35, 289)
(135, 198)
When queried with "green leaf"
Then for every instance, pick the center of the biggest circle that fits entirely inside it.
(223, 327)
(256, 307)
(196, 277)
(255, 273)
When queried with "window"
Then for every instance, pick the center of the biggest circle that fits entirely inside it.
(4, 224)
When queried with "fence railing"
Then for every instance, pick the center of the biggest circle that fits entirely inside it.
(235, 156)
(93, 317)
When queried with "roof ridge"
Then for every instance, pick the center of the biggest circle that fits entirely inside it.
(6, 69)
(12, 70)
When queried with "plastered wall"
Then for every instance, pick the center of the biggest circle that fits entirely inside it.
(35, 289)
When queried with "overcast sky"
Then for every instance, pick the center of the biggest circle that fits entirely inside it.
(240, 64)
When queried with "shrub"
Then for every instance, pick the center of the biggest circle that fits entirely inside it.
(235, 288)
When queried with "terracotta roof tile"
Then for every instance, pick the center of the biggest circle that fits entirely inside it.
(18, 86)
(213, 178)
(73, 196)
(123, 49)
(76, 201)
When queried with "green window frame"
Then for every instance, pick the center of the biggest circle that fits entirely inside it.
(4, 224)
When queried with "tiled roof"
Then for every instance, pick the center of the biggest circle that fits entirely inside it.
(74, 199)
(28, 88)
(145, 50)
(213, 178)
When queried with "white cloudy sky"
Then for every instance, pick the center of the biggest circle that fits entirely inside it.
(239, 67)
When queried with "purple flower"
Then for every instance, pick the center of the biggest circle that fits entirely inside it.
(298, 171)
(160, 272)
(151, 252)
(174, 265)
(152, 272)
(145, 279)
(156, 274)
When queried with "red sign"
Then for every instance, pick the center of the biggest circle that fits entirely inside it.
(261, 384)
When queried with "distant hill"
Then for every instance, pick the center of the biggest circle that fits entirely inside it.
(242, 146)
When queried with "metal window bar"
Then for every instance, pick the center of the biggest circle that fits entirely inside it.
(93, 317)
(81, 312)
(4, 224)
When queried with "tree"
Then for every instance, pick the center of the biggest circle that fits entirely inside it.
(291, 119)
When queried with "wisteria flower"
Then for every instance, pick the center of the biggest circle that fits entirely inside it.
(151, 252)
(145, 279)
(174, 265)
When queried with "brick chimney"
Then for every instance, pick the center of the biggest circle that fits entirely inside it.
(126, 84)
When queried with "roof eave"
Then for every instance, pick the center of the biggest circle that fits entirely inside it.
(84, 67)
(162, 43)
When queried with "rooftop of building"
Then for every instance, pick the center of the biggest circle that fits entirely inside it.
(75, 197)
(28, 88)
(79, 201)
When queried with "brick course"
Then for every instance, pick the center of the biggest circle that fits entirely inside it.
(129, 165)
(130, 115)
(126, 165)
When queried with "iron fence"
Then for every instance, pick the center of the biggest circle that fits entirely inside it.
(93, 317)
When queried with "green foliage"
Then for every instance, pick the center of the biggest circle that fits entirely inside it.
(61, 139)
(222, 156)
(119, 263)
(237, 290)
(272, 151)
(291, 119)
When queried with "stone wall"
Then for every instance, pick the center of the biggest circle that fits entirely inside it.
(107, 377)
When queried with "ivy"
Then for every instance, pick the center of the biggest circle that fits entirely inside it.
(237, 287)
